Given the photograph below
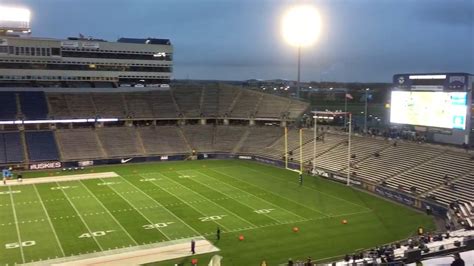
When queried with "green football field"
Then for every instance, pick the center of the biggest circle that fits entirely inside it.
(158, 202)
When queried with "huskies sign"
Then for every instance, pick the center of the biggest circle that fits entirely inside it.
(45, 165)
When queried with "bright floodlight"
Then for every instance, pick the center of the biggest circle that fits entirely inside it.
(300, 25)
(14, 14)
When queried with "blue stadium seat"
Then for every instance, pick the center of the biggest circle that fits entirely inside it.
(13, 148)
(3, 156)
(41, 146)
(7, 105)
(34, 105)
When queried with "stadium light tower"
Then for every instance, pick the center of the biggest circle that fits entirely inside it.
(14, 19)
(300, 28)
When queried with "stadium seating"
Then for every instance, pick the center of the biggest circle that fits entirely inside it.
(227, 96)
(189, 100)
(296, 108)
(8, 107)
(227, 137)
(163, 140)
(406, 156)
(33, 104)
(163, 105)
(260, 138)
(58, 107)
(109, 104)
(272, 106)
(138, 105)
(79, 144)
(80, 105)
(200, 138)
(41, 146)
(13, 147)
(430, 174)
(246, 104)
(120, 141)
(463, 190)
(210, 101)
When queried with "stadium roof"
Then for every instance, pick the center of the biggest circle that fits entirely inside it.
(145, 41)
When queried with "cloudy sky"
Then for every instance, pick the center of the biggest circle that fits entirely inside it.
(361, 40)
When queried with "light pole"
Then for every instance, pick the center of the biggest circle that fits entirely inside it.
(300, 28)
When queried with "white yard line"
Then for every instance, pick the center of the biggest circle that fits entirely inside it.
(192, 207)
(285, 210)
(312, 188)
(49, 220)
(141, 213)
(107, 210)
(62, 178)
(220, 206)
(17, 227)
(82, 219)
(170, 212)
(278, 195)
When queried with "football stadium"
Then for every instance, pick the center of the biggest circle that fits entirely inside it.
(106, 160)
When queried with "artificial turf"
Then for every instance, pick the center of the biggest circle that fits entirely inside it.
(164, 201)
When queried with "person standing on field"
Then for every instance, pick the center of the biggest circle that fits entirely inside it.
(193, 246)
(218, 233)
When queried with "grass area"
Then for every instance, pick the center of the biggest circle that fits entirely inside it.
(158, 202)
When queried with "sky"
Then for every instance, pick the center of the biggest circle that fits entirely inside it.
(360, 40)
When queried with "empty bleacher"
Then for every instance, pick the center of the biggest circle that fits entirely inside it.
(41, 146)
(260, 138)
(200, 138)
(394, 160)
(246, 104)
(227, 96)
(463, 190)
(138, 104)
(8, 107)
(210, 101)
(163, 140)
(163, 105)
(119, 141)
(227, 137)
(13, 147)
(80, 105)
(430, 174)
(33, 104)
(188, 100)
(58, 107)
(79, 144)
(109, 104)
(296, 108)
(272, 106)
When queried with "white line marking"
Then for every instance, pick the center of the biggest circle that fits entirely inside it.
(312, 188)
(172, 213)
(82, 219)
(49, 220)
(174, 195)
(17, 227)
(146, 218)
(272, 193)
(107, 210)
(290, 212)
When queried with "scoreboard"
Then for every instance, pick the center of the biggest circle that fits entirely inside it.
(439, 104)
